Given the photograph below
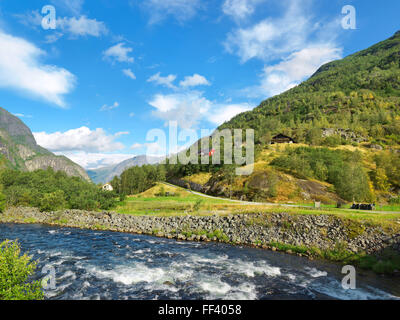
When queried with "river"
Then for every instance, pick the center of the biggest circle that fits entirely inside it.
(109, 265)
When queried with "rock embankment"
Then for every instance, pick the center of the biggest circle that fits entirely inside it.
(323, 232)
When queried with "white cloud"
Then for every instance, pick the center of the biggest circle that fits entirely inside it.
(21, 69)
(31, 19)
(240, 9)
(92, 161)
(296, 39)
(118, 53)
(72, 6)
(191, 107)
(291, 71)
(132, 114)
(136, 146)
(80, 139)
(76, 27)
(129, 73)
(164, 81)
(195, 80)
(272, 37)
(21, 115)
(82, 26)
(223, 113)
(181, 10)
(109, 108)
(185, 108)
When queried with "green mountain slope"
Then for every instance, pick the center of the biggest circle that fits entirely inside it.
(346, 121)
(360, 93)
(19, 150)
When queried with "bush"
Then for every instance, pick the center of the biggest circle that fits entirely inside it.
(15, 270)
(53, 201)
(197, 205)
(50, 191)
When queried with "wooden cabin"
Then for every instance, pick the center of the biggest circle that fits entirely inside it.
(281, 138)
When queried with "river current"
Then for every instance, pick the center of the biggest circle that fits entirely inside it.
(110, 265)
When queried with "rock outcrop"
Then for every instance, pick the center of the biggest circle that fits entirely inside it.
(19, 150)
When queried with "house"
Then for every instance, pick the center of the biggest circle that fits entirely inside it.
(281, 138)
(210, 153)
(107, 187)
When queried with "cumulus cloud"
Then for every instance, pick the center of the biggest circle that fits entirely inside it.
(240, 9)
(291, 71)
(109, 108)
(296, 39)
(118, 53)
(80, 139)
(223, 113)
(272, 37)
(181, 10)
(185, 108)
(189, 108)
(129, 73)
(163, 81)
(193, 81)
(21, 69)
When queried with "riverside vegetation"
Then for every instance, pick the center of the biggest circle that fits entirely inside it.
(15, 271)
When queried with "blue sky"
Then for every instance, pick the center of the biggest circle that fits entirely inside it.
(113, 70)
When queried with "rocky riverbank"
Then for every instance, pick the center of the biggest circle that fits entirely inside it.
(301, 234)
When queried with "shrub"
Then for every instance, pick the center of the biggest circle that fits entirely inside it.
(15, 270)
(49, 191)
(53, 201)
(197, 205)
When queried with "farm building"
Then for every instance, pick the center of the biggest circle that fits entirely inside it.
(107, 187)
(281, 138)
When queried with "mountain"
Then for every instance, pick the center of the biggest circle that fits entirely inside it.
(345, 122)
(106, 174)
(360, 94)
(19, 150)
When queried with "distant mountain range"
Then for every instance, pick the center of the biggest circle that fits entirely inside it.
(19, 150)
(106, 174)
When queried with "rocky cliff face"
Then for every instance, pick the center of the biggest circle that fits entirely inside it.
(19, 150)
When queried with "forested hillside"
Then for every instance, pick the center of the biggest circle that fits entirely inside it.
(360, 93)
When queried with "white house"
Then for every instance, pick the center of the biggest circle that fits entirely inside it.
(107, 187)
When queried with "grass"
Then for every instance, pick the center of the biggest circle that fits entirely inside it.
(383, 208)
(183, 202)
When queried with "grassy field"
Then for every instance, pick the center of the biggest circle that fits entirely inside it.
(383, 208)
(182, 202)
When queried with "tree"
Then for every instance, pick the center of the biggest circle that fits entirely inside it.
(352, 183)
(53, 201)
(15, 270)
(3, 199)
(381, 181)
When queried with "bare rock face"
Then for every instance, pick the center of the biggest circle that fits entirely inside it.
(58, 163)
(19, 150)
